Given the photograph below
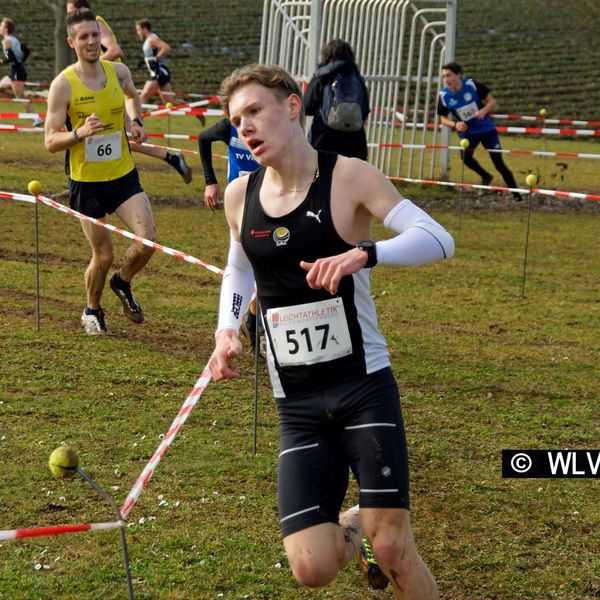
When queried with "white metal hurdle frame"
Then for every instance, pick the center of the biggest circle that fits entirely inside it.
(400, 46)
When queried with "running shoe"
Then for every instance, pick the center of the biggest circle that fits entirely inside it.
(487, 179)
(375, 576)
(132, 310)
(37, 122)
(248, 329)
(182, 167)
(94, 324)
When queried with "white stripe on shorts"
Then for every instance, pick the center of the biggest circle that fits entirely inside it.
(371, 425)
(300, 512)
(392, 491)
(298, 448)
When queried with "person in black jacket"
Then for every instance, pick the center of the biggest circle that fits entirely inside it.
(337, 56)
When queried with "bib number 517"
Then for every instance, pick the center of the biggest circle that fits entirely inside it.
(295, 338)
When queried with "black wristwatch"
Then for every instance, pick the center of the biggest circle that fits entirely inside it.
(139, 121)
(369, 247)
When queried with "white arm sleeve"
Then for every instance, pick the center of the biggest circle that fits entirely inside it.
(236, 289)
(421, 239)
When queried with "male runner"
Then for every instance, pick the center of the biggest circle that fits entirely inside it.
(89, 98)
(470, 104)
(14, 53)
(301, 225)
(111, 50)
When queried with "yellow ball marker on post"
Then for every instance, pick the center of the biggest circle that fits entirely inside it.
(63, 461)
(543, 112)
(531, 180)
(34, 187)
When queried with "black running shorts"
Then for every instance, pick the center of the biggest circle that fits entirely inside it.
(356, 425)
(99, 198)
(17, 72)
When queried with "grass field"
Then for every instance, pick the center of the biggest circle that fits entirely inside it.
(480, 368)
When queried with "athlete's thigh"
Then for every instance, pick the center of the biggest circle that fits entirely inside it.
(18, 89)
(98, 237)
(150, 88)
(166, 92)
(318, 542)
(491, 140)
(312, 479)
(375, 441)
(136, 213)
(394, 522)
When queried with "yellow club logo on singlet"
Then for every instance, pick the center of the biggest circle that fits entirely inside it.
(281, 236)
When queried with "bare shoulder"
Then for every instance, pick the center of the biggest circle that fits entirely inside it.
(362, 185)
(121, 69)
(356, 172)
(59, 88)
(357, 177)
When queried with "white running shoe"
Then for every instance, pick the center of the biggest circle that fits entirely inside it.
(94, 324)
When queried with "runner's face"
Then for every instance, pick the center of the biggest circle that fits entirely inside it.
(451, 79)
(141, 32)
(86, 41)
(263, 120)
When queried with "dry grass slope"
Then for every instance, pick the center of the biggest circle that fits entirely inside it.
(532, 53)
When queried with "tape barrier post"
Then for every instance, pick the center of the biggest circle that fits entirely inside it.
(85, 476)
(37, 269)
(180, 419)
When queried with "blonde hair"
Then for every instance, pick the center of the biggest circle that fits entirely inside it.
(270, 76)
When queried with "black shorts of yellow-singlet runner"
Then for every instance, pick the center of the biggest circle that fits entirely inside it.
(356, 425)
(97, 199)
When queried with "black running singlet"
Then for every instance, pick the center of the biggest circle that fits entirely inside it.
(317, 340)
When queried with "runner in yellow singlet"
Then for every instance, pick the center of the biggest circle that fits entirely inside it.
(111, 50)
(87, 118)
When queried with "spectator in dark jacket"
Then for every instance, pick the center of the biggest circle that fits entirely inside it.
(336, 56)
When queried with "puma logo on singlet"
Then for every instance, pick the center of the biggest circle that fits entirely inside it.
(310, 213)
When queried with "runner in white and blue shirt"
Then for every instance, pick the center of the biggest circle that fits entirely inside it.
(465, 105)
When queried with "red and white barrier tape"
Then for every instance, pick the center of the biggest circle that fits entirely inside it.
(547, 120)
(171, 251)
(12, 534)
(498, 188)
(180, 419)
(497, 150)
(169, 110)
(548, 131)
(523, 130)
(22, 100)
(21, 128)
(22, 115)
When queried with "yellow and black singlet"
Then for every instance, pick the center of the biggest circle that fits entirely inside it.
(105, 156)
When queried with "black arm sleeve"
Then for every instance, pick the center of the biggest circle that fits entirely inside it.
(219, 132)
(482, 90)
(442, 110)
